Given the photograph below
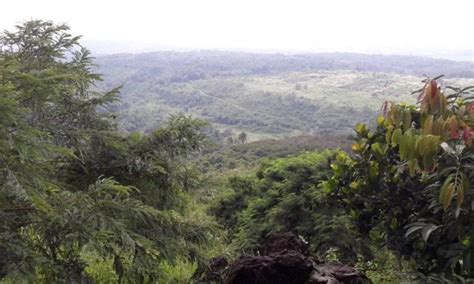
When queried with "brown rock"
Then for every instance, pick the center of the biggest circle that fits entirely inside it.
(285, 260)
(286, 241)
(285, 267)
(333, 273)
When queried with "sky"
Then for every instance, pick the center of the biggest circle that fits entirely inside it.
(293, 25)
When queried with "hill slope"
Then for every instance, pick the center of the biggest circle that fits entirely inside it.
(267, 95)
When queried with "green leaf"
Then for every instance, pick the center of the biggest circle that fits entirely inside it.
(414, 228)
(377, 149)
(428, 125)
(396, 137)
(405, 144)
(426, 232)
(412, 166)
(464, 187)
(380, 120)
(446, 171)
(361, 129)
(406, 119)
(444, 198)
(448, 196)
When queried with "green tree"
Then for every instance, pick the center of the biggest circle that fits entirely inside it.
(242, 137)
(284, 196)
(72, 188)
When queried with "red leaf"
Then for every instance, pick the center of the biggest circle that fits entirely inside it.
(434, 88)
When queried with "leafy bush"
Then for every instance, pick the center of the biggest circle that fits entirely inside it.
(401, 184)
(284, 196)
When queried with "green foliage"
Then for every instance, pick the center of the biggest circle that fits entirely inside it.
(179, 273)
(400, 184)
(407, 188)
(384, 268)
(80, 201)
(284, 196)
(83, 202)
(242, 137)
(256, 93)
(220, 156)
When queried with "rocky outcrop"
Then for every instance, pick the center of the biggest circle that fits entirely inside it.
(336, 273)
(285, 259)
(287, 241)
(284, 267)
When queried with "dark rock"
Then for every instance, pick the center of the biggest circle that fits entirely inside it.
(332, 273)
(218, 263)
(285, 260)
(287, 241)
(285, 267)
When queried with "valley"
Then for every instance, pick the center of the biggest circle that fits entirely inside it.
(235, 96)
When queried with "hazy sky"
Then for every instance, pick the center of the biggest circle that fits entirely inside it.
(257, 24)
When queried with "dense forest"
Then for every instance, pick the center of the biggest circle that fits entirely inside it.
(149, 168)
(265, 95)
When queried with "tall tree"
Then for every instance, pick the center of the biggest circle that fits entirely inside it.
(71, 186)
(242, 137)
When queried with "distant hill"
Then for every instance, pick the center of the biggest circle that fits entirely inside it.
(168, 66)
(267, 95)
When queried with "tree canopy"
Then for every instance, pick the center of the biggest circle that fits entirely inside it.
(73, 189)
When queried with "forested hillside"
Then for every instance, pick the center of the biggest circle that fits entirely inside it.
(107, 184)
(267, 95)
(171, 67)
